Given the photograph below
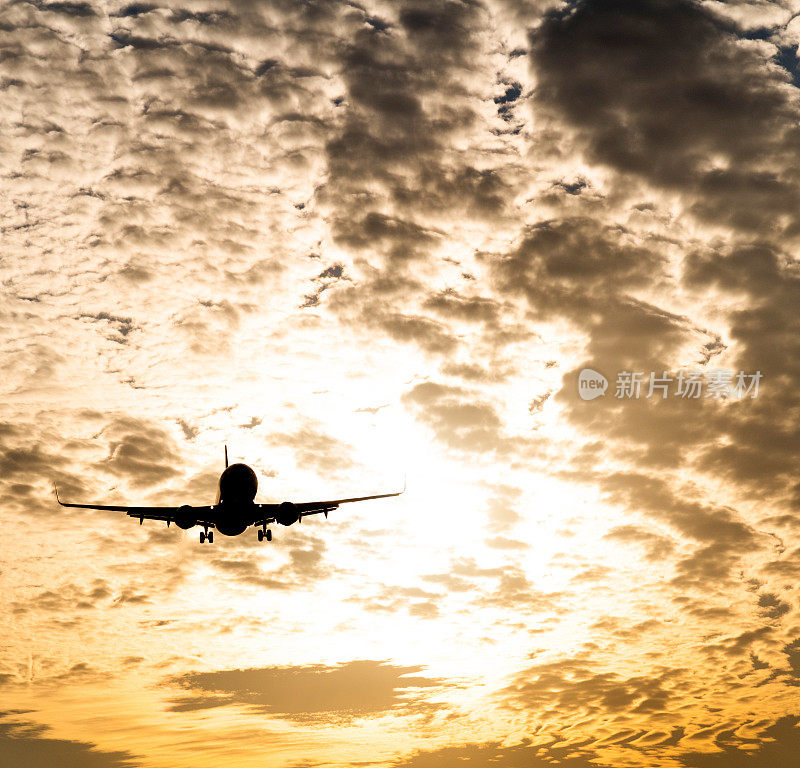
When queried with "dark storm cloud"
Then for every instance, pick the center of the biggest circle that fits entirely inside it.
(137, 451)
(666, 91)
(310, 694)
(67, 8)
(25, 745)
(387, 74)
(588, 273)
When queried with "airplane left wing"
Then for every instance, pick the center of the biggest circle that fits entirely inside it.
(313, 507)
(203, 515)
(272, 512)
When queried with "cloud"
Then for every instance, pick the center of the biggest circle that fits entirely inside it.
(774, 745)
(771, 606)
(292, 209)
(503, 506)
(657, 546)
(307, 564)
(122, 326)
(24, 744)
(722, 535)
(313, 447)
(668, 92)
(572, 686)
(428, 334)
(310, 694)
(507, 587)
(144, 454)
(457, 417)
(67, 599)
(494, 754)
(777, 744)
(417, 602)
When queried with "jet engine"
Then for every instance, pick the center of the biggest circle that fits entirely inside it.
(185, 517)
(287, 513)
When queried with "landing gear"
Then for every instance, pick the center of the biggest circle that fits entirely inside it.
(202, 537)
(207, 536)
(262, 534)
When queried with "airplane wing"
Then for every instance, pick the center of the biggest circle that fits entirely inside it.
(314, 507)
(165, 514)
(269, 512)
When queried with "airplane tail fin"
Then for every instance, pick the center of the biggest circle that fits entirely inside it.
(226, 457)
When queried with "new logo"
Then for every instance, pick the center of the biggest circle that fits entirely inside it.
(591, 384)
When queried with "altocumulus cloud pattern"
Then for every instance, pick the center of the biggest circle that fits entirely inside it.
(357, 239)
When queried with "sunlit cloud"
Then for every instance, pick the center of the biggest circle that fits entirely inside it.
(362, 242)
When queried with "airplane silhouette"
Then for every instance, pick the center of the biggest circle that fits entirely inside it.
(235, 509)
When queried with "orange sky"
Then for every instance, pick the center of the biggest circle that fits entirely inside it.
(357, 241)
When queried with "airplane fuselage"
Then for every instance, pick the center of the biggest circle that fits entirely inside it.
(235, 509)
(238, 485)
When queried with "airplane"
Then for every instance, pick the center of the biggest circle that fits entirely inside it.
(235, 509)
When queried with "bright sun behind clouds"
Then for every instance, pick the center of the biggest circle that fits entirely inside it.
(369, 245)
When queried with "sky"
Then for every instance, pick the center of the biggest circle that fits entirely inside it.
(535, 257)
